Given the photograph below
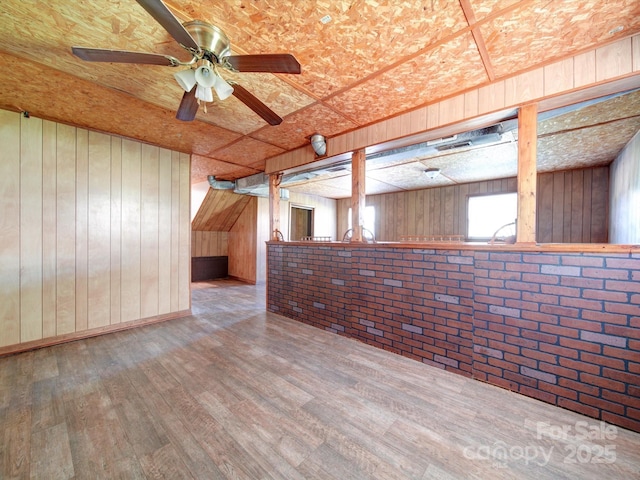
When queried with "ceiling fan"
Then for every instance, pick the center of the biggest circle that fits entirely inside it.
(210, 50)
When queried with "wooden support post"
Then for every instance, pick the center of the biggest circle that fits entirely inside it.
(274, 205)
(358, 196)
(527, 142)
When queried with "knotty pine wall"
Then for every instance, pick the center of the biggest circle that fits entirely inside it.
(624, 222)
(209, 244)
(572, 207)
(94, 232)
(243, 244)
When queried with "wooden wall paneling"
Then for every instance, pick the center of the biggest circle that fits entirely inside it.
(544, 231)
(436, 211)
(463, 192)
(563, 203)
(599, 205)
(49, 248)
(391, 208)
(263, 235)
(415, 121)
(558, 76)
(116, 231)
(175, 229)
(196, 243)
(236, 209)
(432, 116)
(586, 204)
(203, 212)
(99, 230)
(82, 229)
(9, 227)
(584, 69)
(164, 231)
(614, 60)
(449, 208)
(410, 219)
(30, 229)
(217, 204)
(185, 234)
(383, 205)
(635, 50)
(577, 185)
(558, 208)
(63, 270)
(566, 202)
(451, 109)
(149, 215)
(401, 216)
(131, 230)
(471, 104)
(66, 229)
(243, 244)
(491, 97)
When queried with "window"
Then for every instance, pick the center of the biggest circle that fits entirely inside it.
(487, 213)
(369, 219)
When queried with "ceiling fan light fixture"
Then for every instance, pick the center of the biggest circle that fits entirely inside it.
(222, 88)
(204, 94)
(186, 79)
(205, 76)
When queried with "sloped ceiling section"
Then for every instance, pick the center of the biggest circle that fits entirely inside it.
(362, 62)
(219, 211)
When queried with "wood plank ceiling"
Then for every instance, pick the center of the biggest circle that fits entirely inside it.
(362, 61)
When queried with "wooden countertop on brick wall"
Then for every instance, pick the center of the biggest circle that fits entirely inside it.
(524, 247)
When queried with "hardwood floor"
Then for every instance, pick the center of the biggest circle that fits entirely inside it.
(236, 392)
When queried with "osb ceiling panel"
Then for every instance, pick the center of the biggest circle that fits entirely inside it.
(202, 167)
(363, 61)
(540, 31)
(360, 38)
(599, 145)
(484, 8)
(81, 103)
(247, 151)
(450, 67)
(297, 128)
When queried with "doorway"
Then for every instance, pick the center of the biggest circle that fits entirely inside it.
(300, 222)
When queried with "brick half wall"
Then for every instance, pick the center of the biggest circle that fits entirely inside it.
(560, 327)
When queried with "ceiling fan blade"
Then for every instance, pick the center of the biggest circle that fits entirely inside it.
(271, 62)
(122, 56)
(158, 10)
(256, 105)
(188, 106)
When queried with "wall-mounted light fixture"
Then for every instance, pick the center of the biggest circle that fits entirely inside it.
(432, 173)
(319, 144)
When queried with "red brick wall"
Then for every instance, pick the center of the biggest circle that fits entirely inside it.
(562, 328)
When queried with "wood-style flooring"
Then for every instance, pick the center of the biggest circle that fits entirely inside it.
(236, 392)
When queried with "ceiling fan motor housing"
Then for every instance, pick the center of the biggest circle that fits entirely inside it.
(211, 39)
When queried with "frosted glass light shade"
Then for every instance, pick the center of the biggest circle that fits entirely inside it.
(205, 76)
(222, 88)
(186, 79)
(204, 93)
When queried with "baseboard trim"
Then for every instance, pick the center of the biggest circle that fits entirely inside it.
(94, 332)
